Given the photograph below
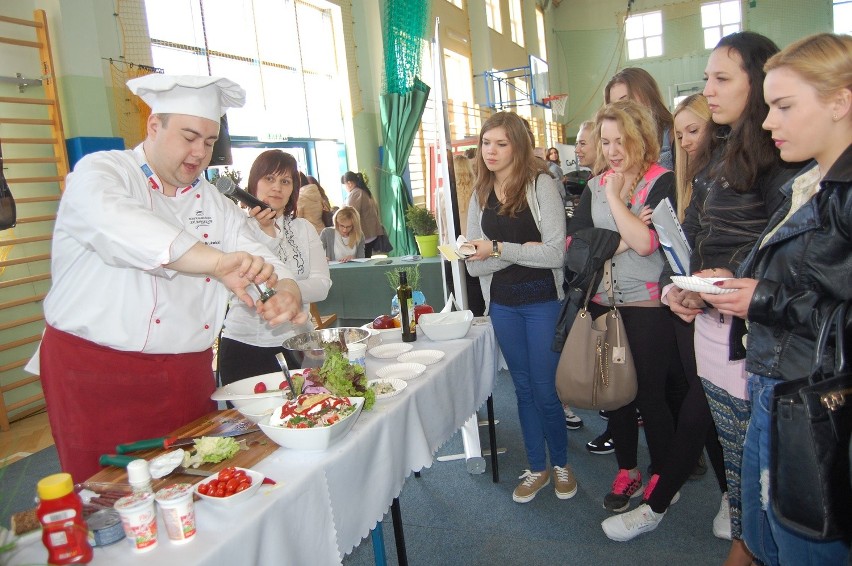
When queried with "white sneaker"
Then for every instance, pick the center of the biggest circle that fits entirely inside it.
(629, 525)
(722, 520)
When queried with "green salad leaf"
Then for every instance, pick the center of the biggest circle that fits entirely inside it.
(344, 379)
(212, 449)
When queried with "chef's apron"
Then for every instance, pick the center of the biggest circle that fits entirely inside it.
(99, 397)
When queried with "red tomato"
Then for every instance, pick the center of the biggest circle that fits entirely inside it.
(283, 385)
(220, 490)
(225, 475)
(232, 484)
(242, 487)
(260, 388)
(239, 474)
(382, 322)
(202, 489)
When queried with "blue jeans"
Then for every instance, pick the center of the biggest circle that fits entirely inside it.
(525, 333)
(769, 541)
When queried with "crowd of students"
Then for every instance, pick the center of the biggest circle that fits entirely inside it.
(758, 168)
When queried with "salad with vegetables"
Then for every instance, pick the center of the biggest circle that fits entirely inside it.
(310, 411)
(340, 377)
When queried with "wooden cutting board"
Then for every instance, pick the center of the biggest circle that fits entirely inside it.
(217, 422)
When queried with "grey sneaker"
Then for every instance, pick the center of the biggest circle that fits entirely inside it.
(531, 484)
(566, 484)
(572, 421)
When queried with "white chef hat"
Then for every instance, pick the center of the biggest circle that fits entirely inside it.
(207, 97)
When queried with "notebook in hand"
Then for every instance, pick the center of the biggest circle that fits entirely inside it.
(672, 239)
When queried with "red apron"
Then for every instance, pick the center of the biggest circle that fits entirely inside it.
(98, 397)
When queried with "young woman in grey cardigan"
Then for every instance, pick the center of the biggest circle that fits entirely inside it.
(516, 220)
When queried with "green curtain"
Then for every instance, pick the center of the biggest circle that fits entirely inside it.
(401, 115)
(402, 104)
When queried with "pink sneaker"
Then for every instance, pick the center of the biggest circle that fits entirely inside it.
(624, 488)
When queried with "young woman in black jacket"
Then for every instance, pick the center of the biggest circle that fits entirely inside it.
(799, 270)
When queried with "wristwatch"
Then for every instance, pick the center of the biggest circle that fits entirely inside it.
(495, 250)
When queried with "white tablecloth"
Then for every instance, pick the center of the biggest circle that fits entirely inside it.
(325, 503)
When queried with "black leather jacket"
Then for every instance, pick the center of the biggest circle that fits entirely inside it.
(804, 270)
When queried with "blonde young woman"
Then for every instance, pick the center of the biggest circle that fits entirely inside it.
(620, 200)
(344, 241)
(517, 223)
(799, 269)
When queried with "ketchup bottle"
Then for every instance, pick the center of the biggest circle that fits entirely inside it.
(60, 511)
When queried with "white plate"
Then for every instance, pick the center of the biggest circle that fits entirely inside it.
(425, 357)
(398, 386)
(701, 284)
(401, 371)
(369, 326)
(390, 350)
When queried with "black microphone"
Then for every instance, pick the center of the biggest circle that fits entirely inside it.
(227, 187)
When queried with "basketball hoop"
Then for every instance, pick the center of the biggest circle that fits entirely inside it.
(557, 102)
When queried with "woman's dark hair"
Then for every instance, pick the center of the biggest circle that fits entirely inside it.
(275, 162)
(359, 181)
(749, 150)
(642, 88)
(303, 179)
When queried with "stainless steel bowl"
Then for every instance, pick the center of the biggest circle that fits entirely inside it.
(308, 346)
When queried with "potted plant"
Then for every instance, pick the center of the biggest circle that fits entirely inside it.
(412, 275)
(422, 222)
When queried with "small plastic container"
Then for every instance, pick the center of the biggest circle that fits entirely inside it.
(178, 511)
(357, 354)
(105, 527)
(139, 519)
(139, 476)
(60, 512)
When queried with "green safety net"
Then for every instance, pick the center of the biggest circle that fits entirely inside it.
(402, 104)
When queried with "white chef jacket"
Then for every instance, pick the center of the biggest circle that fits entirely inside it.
(114, 232)
(299, 247)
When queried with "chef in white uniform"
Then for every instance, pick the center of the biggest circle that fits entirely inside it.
(145, 255)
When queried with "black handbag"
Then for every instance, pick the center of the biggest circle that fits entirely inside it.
(811, 421)
(8, 212)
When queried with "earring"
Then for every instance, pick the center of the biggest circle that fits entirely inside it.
(834, 117)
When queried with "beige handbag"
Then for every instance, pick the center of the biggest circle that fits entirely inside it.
(596, 368)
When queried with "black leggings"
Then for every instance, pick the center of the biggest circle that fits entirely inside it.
(695, 430)
(652, 343)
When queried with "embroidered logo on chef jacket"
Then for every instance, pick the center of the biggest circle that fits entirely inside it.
(200, 220)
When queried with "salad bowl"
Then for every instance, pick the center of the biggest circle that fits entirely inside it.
(316, 439)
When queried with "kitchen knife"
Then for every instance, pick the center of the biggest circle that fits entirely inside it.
(123, 461)
(172, 441)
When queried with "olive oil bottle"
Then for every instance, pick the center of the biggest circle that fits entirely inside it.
(406, 308)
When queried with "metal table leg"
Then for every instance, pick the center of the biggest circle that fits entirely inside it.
(492, 440)
(398, 534)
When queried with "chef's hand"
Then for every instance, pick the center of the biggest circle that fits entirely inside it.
(736, 303)
(238, 270)
(686, 304)
(284, 305)
(266, 218)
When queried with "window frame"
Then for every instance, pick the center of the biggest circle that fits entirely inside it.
(720, 27)
(644, 37)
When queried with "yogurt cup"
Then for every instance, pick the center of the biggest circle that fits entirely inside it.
(357, 354)
(178, 510)
(139, 519)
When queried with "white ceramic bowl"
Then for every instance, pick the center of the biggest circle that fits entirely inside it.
(445, 325)
(241, 393)
(231, 500)
(259, 408)
(318, 438)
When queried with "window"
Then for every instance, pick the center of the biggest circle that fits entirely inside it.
(516, 20)
(644, 34)
(720, 19)
(492, 15)
(539, 28)
(843, 16)
(288, 66)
